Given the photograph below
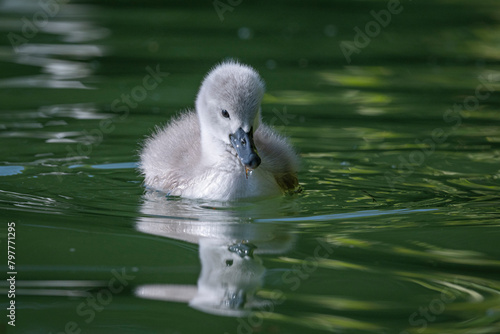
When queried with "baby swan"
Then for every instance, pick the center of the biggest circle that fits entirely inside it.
(222, 151)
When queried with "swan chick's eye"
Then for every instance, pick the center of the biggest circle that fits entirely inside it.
(225, 113)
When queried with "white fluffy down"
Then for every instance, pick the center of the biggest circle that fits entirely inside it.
(194, 159)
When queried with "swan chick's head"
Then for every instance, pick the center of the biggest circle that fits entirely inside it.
(228, 107)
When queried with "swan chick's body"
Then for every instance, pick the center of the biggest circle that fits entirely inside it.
(222, 151)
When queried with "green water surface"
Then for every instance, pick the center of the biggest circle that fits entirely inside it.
(393, 107)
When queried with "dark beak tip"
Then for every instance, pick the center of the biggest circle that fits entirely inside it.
(253, 161)
(256, 162)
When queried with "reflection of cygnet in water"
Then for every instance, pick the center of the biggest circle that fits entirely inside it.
(230, 276)
(232, 271)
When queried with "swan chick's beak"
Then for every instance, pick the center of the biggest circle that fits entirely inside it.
(245, 148)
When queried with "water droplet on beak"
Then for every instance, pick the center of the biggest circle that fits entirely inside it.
(248, 171)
